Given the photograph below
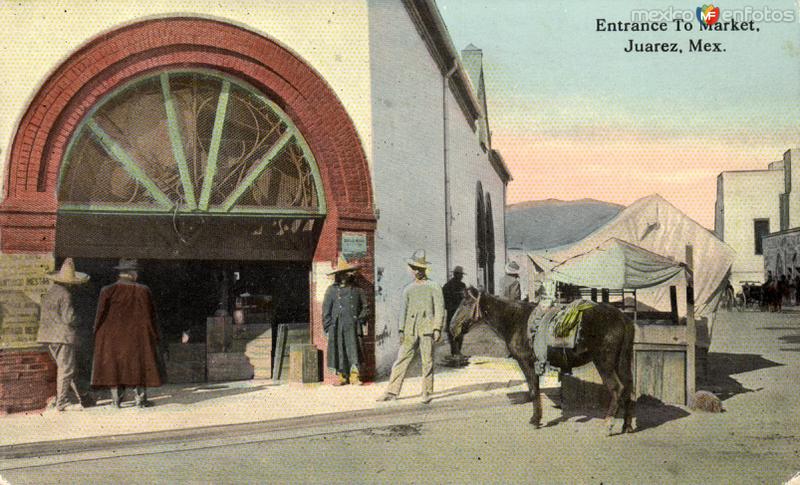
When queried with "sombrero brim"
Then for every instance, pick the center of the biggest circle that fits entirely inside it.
(346, 270)
(80, 278)
(416, 264)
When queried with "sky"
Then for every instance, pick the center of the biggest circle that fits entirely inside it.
(575, 116)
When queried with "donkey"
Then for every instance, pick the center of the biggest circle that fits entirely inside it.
(606, 340)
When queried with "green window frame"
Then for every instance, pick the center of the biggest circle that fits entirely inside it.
(189, 141)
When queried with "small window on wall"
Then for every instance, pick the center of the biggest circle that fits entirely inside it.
(760, 229)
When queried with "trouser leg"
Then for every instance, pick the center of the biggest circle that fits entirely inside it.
(426, 358)
(64, 356)
(404, 356)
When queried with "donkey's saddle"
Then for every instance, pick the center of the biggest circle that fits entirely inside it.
(556, 327)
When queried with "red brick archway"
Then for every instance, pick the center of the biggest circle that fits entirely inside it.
(28, 212)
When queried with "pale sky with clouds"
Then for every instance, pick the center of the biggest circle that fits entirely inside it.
(575, 116)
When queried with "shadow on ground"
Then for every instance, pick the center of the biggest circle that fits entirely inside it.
(723, 366)
(482, 386)
(649, 412)
(188, 393)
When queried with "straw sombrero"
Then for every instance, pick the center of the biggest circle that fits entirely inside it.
(342, 266)
(68, 275)
(418, 260)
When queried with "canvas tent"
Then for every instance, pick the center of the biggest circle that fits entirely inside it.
(654, 225)
(618, 264)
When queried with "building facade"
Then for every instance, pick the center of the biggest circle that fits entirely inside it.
(747, 208)
(233, 144)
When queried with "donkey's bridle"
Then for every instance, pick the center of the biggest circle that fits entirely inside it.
(476, 312)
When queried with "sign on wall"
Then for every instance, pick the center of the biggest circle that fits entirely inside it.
(354, 245)
(22, 284)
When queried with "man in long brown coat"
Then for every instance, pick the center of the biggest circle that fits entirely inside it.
(126, 338)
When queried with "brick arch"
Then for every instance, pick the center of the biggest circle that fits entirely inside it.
(28, 211)
(116, 57)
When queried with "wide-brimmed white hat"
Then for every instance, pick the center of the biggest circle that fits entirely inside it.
(68, 275)
(512, 267)
(418, 260)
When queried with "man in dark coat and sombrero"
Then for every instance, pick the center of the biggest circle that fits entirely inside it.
(126, 337)
(344, 312)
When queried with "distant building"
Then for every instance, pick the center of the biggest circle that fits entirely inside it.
(752, 204)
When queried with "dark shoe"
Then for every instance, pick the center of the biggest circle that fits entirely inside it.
(341, 380)
(144, 404)
(388, 396)
(88, 402)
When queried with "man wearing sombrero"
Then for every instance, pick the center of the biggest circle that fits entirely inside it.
(422, 317)
(344, 312)
(126, 337)
(58, 328)
(509, 283)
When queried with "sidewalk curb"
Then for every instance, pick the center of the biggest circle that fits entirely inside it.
(216, 432)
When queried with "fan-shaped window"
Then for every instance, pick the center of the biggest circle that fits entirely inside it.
(189, 142)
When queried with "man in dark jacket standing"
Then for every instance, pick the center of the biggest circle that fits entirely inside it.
(58, 328)
(126, 337)
(453, 292)
(344, 312)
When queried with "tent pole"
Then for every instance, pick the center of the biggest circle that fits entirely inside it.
(691, 332)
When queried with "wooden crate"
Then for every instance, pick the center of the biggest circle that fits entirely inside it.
(186, 363)
(288, 334)
(186, 372)
(228, 366)
(255, 342)
(303, 363)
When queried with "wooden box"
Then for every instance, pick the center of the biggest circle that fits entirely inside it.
(287, 334)
(255, 342)
(186, 363)
(228, 366)
(303, 363)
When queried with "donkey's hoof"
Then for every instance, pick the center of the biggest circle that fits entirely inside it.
(536, 423)
(627, 429)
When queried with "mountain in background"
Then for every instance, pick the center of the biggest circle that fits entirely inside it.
(541, 224)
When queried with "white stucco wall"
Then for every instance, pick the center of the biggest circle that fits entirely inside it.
(408, 159)
(747, 196)
(468, 164)
(791, 162)
(329, 35)
(408, 178)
